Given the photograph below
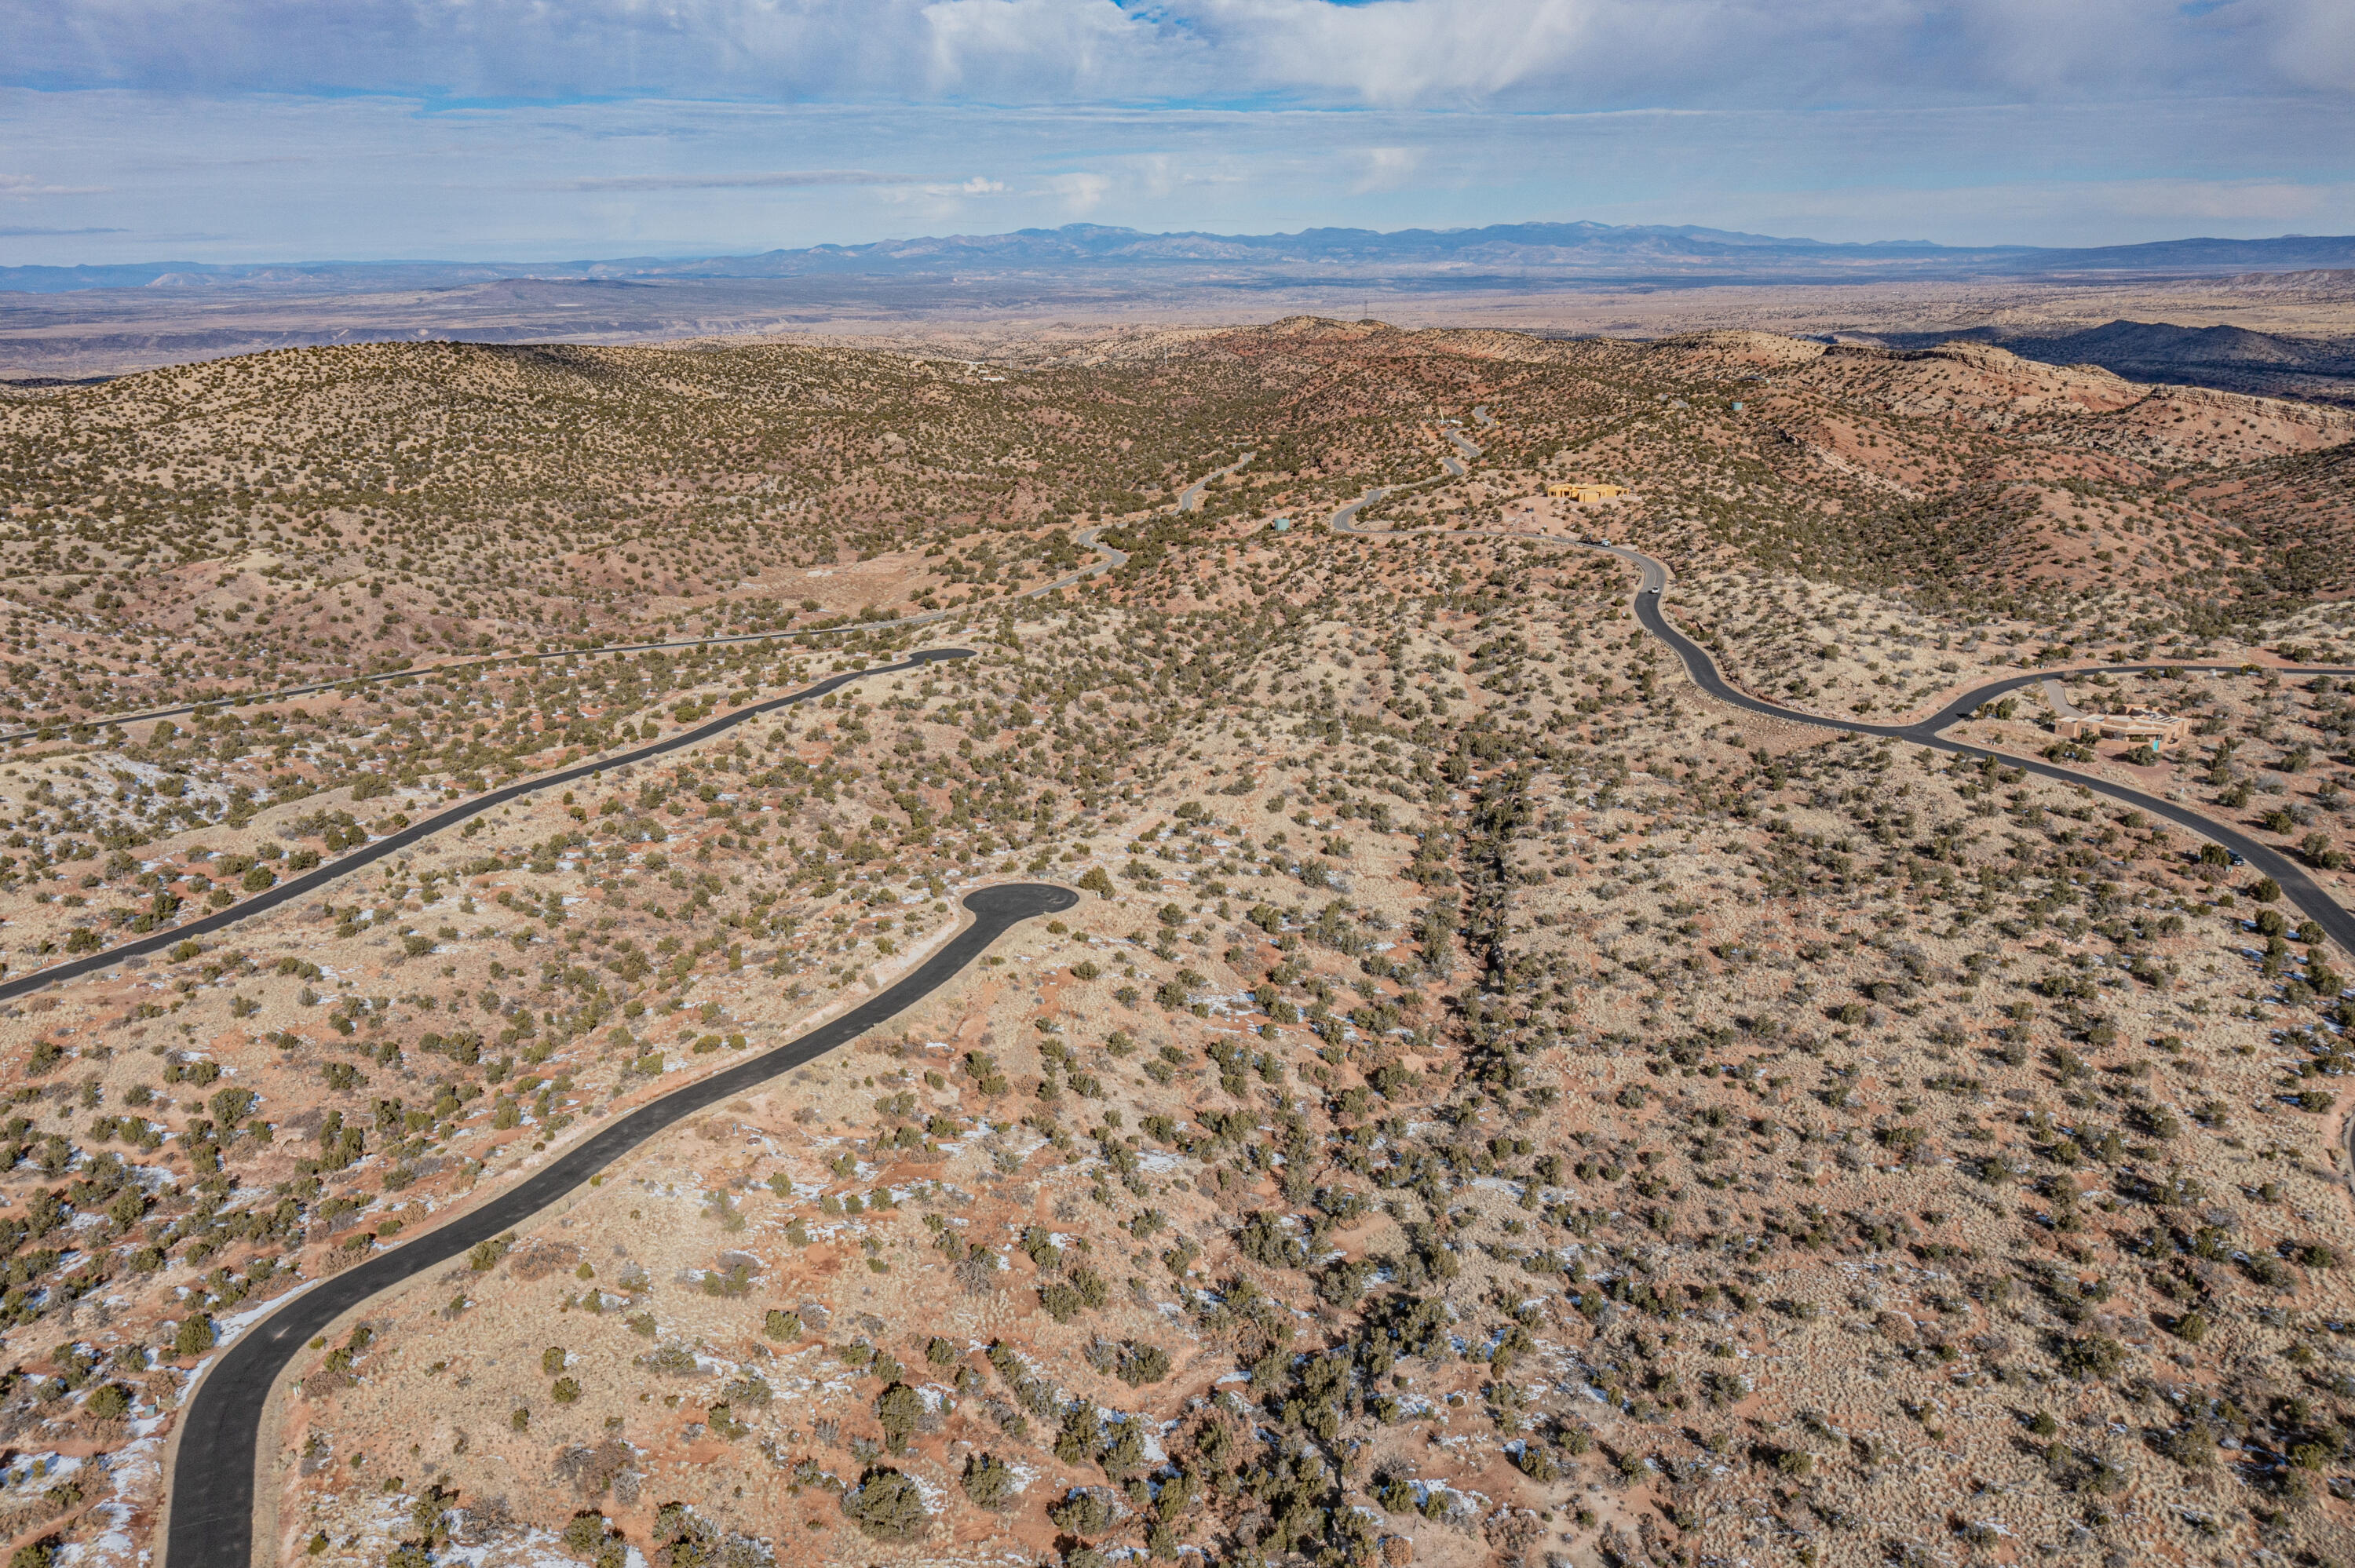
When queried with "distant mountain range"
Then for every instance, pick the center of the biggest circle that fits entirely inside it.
(75, 321)
(1499, 255)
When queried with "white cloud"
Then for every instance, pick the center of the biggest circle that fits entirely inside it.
(2313, 44)
(1386, 169)
(1558, 54)
(210, 178)
(1030, 51)
(26, 185)
(948, 201)
(1080, 193)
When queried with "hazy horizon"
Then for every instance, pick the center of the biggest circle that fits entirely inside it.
(1893, 245)
(242, 130)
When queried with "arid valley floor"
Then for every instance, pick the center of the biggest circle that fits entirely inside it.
(1491, 1104)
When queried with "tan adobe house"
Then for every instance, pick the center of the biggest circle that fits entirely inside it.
(2146, 725)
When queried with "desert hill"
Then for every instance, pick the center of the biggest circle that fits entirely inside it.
(1488, 1103)
(320, 511)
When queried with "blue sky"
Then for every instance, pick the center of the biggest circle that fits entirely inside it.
(250, 129)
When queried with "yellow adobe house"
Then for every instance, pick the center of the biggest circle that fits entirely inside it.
(1582, 494)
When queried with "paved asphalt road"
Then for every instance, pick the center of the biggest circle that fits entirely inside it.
(2301, 889)
(1653, 581)
(1190, 498)
(313, 881)
(214, 1474)
(214, 1464)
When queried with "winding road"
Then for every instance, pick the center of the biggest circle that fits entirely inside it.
(1190, 498)
(312, 881)
(1652, 582)
(214, 1461)
(2297, 886)
(1651, 585)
